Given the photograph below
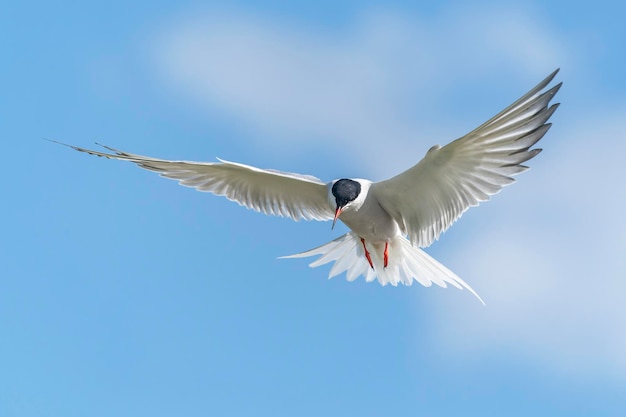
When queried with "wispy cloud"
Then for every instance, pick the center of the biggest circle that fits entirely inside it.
(374, 82)
(553, 277)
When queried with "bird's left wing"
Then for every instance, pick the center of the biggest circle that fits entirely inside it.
(426, 199)
(268, 191)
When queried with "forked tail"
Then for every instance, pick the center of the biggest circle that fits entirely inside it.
(405, 263)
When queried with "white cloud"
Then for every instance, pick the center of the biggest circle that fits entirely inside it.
(370, 87)
(553, 271)
(557, 276)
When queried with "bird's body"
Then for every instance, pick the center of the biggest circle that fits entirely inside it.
(389, 220)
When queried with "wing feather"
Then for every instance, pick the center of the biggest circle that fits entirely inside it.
(429, 197)
(268, 191)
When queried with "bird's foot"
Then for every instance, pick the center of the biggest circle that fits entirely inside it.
(367, 254)
(386, 255)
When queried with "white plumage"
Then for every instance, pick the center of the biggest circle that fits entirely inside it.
(420, 203)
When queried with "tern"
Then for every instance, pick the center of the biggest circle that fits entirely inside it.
(389, 220)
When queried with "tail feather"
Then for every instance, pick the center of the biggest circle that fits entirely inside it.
(406, 263)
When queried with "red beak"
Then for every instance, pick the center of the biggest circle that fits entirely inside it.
(337, 214)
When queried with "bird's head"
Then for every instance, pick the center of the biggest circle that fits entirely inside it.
(343, 194)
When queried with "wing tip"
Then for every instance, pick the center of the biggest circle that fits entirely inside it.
(550, 77)
(85, 150)
(556, 71)
(545, 82)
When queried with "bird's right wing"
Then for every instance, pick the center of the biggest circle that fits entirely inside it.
(426, 199)
(268, 191)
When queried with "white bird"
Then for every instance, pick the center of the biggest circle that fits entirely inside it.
(420, 203)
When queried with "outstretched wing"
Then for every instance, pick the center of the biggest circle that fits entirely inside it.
(426, 199)
(268, 191)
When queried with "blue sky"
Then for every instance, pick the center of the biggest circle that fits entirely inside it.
(122, 293)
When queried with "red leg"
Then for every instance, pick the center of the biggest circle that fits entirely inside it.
(386, 254)
(367, 254)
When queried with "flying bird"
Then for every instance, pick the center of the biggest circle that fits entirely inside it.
(389, 220)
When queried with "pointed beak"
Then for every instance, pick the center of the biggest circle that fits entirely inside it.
(337, 214)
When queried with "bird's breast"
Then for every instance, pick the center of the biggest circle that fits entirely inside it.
(371, 222)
